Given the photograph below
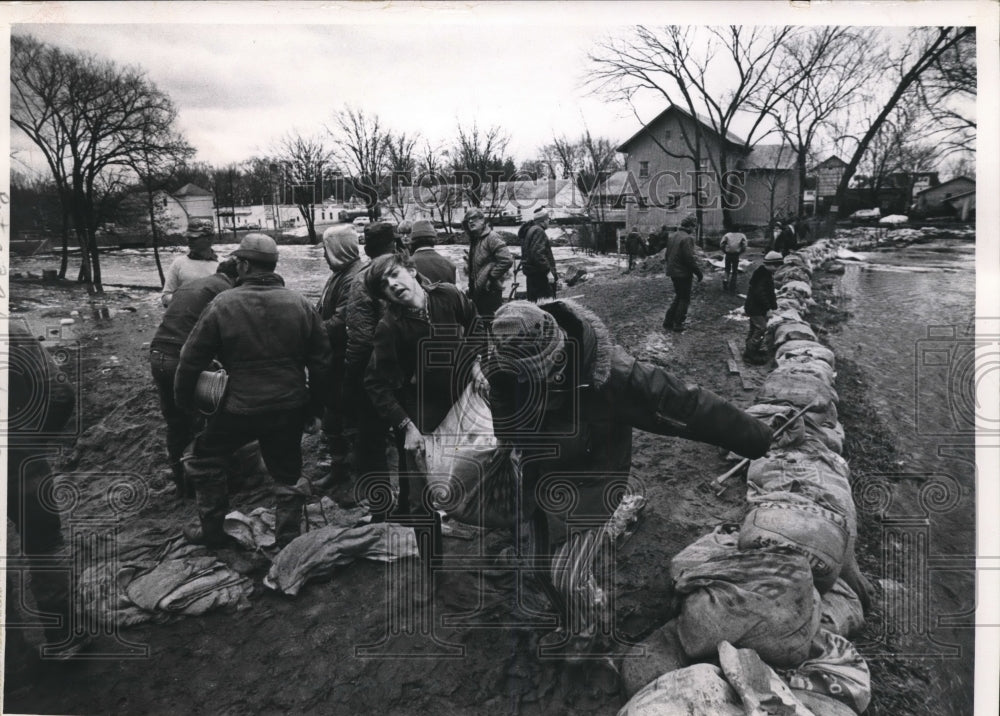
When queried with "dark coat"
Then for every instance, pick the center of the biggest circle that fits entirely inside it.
(608, 392)
(266, 337)
(183, 311)
(679, 256)
(416, 369)
(633, 243)
(536, 252)
(760, 293)
(489, 262)
(332, 305)
(433, 266)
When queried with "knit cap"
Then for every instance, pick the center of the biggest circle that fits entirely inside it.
(529, 340)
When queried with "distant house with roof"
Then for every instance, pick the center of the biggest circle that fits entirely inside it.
(936, 198)
(514, 199)
(198, 203)
(662, 175)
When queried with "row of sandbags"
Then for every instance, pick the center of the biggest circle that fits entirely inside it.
(771, 584)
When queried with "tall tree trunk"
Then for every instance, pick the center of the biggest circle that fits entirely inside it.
(152, 229)
(64, 261)
(800, 166)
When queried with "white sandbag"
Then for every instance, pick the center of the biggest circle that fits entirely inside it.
(793, 331)
(699, 690)
(761, 599)
(841, 611)
(821, 536)
(835, 669)
(793, 350)
(798, 389)
(790, 272)
(791, 303)
(822, 705)
(800, 289)
(814, 472)
(467, 428)
(782, 316)
(761, 690)
(815, 368)
(720, 541)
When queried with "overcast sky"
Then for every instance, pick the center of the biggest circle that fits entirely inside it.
(420, 67)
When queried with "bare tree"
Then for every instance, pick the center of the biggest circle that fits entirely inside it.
(836, 64)
(564, 156)
(923, 50)
(478, 164)
(361, 146)
(599, 162)
(947, 91)
(402, 163)
(433, 186)
(302, 160)
(90, 118)
(709, 72)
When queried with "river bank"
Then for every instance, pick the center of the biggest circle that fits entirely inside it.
(298, 655)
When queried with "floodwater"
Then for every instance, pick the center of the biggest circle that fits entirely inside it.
(912, 332)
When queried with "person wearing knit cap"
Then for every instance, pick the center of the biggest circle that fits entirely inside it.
(430, 264)
(681, 267)
(488, 263)
(760, 299)
(342, 254)
(557, 378)
(537, 261)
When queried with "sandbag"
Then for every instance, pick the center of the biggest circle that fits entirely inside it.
(799, 390)
(793, 331)
(813, 368)
(821, 704)
(790, 272)
(761, 599)
(835, 669)
(482, 488)
(761, 690)
(817, 474)
(794, 350)
(821, 536)
(657, 654)
(831, 436)
(699, 690)
(841, 611)
(791, 303)
(720, 541)
(800, 289)
(781, 316)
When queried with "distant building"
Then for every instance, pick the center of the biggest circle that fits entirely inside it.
(662, 176)
(932, 200)
(198, 203)
(826, 175)
(964, 205)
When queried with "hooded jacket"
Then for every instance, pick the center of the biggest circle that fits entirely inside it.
(343, 256)
(608, 392)
(489, 262)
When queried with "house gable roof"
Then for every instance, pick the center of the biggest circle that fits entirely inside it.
(945, 184)
(730, 137)
(776, 157)
(192, 190)
(831, 162)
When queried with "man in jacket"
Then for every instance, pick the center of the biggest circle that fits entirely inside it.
(633, 245)
(164, 354)
(489, 262)
(537, 261)
(199, 262)
(267, 337)
(342, 254)
(363, 314)
(430, 264)
(681, 268)
(558, 380)
(733, 244)
(760, 300)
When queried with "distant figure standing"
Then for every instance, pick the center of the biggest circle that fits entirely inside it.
(633, 246)
(537, 261)
(785, 242)
(489, 262)
(430, 264)
(200, 261)
(733, 245)
(760, 300)
(681, 268)
(802, 231)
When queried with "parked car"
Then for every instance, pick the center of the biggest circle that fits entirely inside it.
(252, 227)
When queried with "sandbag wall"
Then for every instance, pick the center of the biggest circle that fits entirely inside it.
(772, 584)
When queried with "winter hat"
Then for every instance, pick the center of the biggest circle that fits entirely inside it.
(380, 237)
(773, 257)
(541, 213)
(257, 247)
(527, 339)
(689, 222)
(340, 244)
(423, 233)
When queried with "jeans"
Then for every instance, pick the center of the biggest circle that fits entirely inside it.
(731, 270)
(755, 338)
(181, 425)
(679, 306)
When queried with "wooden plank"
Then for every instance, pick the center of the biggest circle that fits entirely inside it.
(735, 351)
(733, 366)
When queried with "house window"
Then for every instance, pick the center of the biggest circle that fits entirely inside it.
(643, 169)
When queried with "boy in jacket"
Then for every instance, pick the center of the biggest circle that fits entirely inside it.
(760, 300)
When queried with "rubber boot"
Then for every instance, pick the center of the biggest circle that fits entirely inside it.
(209, 477)
(287, 517)
(185, 490)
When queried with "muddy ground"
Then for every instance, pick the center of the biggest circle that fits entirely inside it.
(298, 655)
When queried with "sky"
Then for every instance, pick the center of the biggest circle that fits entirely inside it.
(244, 74)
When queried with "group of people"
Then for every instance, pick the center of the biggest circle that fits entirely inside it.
(383, 356)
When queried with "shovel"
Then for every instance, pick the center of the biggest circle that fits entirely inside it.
(741, 465)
